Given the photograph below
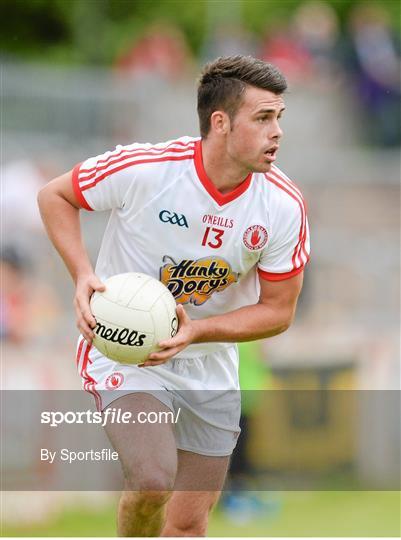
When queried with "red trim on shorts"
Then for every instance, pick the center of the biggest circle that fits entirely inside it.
(90, 387)
(86, 360)
(271, 276)
(89, 382)
(77, 189)
(81, 344)
(220, 198)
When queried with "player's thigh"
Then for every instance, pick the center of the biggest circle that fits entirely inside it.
(147, 451)
(200, 473)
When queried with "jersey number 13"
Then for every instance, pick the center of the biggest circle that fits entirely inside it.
(213, 237)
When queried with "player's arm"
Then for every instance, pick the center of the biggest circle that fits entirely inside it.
(272, 315)
(59, 209)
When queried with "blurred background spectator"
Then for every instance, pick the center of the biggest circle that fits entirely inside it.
(227, 39)
(21, 180)
(161, 51)
(281, 47)
(317, 29)
(14, 316)
(373, 63)
(29, 308)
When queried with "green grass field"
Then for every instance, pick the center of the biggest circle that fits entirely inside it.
(324, 513)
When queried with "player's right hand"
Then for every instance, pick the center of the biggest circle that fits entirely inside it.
(86, 285)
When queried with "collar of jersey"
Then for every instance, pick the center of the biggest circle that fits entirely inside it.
(220, 198)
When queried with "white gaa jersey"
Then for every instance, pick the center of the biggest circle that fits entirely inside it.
(169, 221)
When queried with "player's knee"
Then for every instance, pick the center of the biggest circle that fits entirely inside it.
(143, 501)
(188, 525)
(152, 482)
(197, 530)
(153, 499)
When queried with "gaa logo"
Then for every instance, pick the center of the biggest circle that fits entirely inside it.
(114, 381)
(255, 237)
(175, 219)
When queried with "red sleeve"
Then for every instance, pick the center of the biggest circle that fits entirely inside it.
(77, 190)
(270, 276)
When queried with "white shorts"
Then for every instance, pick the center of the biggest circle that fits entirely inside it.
(205, 389)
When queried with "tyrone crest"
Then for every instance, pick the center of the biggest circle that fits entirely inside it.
(115, 380)
(255, 237)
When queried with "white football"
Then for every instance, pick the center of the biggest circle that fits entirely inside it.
(132, 315)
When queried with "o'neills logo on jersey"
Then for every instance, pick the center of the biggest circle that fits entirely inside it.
(195, 281)
(115, 380)
(123, 336)
(221, 221)
(255, 237)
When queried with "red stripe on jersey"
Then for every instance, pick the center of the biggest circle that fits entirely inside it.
(150, 149)
(281, 176)
(301, 230)
(129, 164)
(300, 203)
(301, 243)
(77, 190)
(129, 155)
(271, 276)
(220, 198)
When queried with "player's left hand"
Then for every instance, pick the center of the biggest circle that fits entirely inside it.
(170, 347)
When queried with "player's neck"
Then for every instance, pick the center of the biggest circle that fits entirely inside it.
(223, 172)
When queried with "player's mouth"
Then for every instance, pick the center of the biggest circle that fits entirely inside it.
(271, 153)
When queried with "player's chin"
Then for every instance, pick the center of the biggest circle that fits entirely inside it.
(262, 167)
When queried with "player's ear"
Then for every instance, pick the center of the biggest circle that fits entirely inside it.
(220, 122)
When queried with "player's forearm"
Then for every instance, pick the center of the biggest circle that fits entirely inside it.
(62, 224)
(258, 321)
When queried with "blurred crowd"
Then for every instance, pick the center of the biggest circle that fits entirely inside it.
(312, 48)
(29, 306)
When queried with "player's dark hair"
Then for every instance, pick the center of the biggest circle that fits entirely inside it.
(222, 84)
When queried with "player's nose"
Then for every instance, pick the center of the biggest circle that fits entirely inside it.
(276, 132)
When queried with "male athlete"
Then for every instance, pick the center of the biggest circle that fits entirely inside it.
(216, 221)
